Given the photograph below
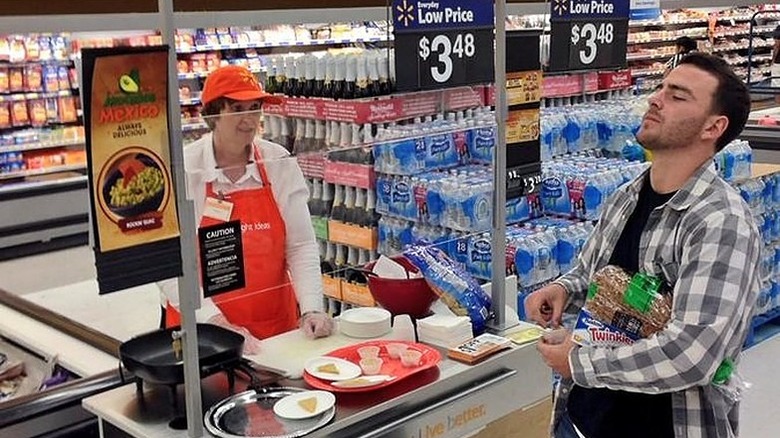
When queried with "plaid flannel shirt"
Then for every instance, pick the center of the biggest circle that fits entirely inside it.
(704, 242)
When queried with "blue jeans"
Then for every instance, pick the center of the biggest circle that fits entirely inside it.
(565, 428)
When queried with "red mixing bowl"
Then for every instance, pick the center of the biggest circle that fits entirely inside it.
(412, 297)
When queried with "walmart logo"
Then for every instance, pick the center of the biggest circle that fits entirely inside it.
(560, 7)
(405, 13)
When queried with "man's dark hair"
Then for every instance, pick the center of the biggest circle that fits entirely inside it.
(688, 44)
(213, 108)
(731, 98)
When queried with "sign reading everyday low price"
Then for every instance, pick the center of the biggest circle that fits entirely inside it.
(588, 34)
(442, 43)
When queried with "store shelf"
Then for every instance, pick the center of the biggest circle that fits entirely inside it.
(644, 73)
(66, 62)
(739, 47)
(29, 185)
(44, 171)
(40, 145)
(281, 44)
(187, 127)
(203, 74)
(27, 96)
(190, 101)
(649, 57)
(644, 23)
(666, 39)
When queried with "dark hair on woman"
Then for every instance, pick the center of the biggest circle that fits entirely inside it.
(731, 98)
(213, 108)
(688, 44)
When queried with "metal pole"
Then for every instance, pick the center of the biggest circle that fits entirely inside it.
(499, 175)
(189, 295)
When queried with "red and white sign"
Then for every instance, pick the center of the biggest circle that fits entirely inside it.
(615, 80)
(348, 174)
(380, 110)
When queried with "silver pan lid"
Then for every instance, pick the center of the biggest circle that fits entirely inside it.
(250, 414)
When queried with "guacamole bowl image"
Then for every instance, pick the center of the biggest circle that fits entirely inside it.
(133, 184)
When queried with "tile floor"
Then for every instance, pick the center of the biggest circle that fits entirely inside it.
(64, 281)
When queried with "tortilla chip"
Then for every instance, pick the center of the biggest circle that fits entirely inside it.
(308, 404)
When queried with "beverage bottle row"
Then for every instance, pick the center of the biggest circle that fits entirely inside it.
(577, 187)
(336, 259)
(344, 141)
(350, 75)
(734, 162)
(435, 143)
(341, 203)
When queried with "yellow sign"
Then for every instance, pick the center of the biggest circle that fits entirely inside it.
(129, 151)
(523, 87)
(522, 126)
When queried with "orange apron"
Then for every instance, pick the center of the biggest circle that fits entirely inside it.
(266, 306)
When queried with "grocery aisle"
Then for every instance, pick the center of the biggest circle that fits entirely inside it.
(64, 280)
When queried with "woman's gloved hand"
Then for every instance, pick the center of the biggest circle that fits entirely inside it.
(316, 324)
(252, 345)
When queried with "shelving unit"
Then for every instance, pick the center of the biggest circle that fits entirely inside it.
(721, 33)
(42, 157)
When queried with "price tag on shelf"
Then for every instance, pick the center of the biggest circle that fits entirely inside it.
(523, 180)
(442, 44)
(588, 34)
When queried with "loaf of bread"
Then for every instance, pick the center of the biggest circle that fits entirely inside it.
(639, 304)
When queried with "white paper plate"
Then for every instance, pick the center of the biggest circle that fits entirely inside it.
(347, 369)
(289, 408)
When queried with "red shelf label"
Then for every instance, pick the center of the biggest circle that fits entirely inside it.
(348, 174)
(615, 80)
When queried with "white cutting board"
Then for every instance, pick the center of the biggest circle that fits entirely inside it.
(289, 351)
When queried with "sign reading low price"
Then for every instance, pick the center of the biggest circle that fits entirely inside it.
(588, 34)
(442, 43)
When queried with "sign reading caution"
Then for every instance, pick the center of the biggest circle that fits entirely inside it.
(131, 186)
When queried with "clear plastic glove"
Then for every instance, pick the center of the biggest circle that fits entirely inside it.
(316, 325)
(252, 345)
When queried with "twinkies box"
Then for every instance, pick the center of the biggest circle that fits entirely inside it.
(589, 331)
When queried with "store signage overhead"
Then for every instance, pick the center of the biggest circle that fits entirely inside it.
(442, 43)
(588, 34)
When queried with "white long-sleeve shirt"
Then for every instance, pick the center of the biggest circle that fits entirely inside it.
(291, 194)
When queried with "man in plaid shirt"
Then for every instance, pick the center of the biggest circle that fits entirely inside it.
(681, 222)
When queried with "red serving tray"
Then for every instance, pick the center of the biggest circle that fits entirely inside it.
(391, 367)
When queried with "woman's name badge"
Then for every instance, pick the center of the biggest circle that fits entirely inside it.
(218, 209)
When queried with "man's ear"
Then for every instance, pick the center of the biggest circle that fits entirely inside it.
(715, 127)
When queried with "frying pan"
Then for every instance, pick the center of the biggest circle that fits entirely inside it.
(150, 356)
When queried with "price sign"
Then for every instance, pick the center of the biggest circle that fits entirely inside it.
(442, 44)
(588, 34)
(523, 180)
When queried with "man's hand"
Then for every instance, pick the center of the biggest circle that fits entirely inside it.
(316, 325)
(545, 306)
(555, 348)
(252, 345)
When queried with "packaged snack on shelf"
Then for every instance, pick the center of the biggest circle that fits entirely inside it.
(19, 114)
(5, 114)
(16, 80)
(456, 287)
(37, 110)
(50, 82)
(62, 78)
(33, 78)
(44, 45)
(73, 74)
(4, 84)
(5, 49)
(621, 308)
(33, 52)
(52, 113)
(67, 107)
(18, 54)
(59, 47)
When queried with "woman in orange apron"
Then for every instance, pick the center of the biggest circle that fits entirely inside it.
(232, 176)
